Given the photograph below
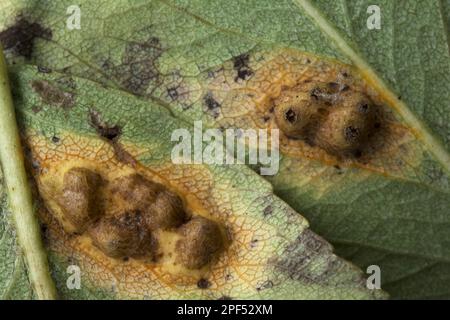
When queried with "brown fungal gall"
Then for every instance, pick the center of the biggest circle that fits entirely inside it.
(166, 212)
(296, 113)
(328, 115)
(160, 208)
(135, 190)
(79, 198)
(348, 125)
(123, 235)
(201, 241)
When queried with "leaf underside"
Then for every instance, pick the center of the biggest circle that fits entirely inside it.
(172, 53)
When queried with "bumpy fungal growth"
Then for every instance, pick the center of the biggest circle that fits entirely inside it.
(348, 125)
(134, 190)
(79, 197)
(161, 209)
(123, 235)
(296, 113)
(165, 212)
(201, 241)
(131, 216)
(330, 116)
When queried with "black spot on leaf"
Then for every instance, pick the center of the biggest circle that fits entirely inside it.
(364, 108)
(268, 211)
(241, 65)
(42, 69)
(172, 93)
(20, 37)
(211, 104)
(105, 130)
(265, 285)
(351, 133)
(357, 153)
(290, 116)
(203, 284)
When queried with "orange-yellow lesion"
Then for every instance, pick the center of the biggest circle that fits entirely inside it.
(252, 103)
(194, 184)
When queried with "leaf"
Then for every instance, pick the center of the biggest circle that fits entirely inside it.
(271, 253)
(14, 283)
(19, 199)
(390, 209)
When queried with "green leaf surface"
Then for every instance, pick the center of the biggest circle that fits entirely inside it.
(395, 212)
(14, 283)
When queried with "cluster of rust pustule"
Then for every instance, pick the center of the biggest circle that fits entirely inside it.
(331, 116)
(123, 218)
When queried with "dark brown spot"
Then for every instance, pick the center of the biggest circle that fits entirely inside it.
(55, 139)
(52, 95)
(42, 69)
(44, 228)
(20, 37)
(172, 93)
(357, 153)
(105, 130)
(212, 105)
(351, 133)
(203, 283)
(241, 65)
(265, 285)
(225, 298)
(364, 108)
(290, 116)
(268, 211)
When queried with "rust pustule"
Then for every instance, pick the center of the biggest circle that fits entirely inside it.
(79, 199)
(130, 216)
(328, 115)
(201, 242)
